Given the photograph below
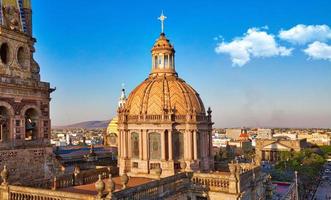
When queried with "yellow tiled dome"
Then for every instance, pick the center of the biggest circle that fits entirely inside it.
(161, 94)
(113, 126)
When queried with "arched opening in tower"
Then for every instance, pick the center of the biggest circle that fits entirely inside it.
(31, 124)
(4, 124)
(4, 53)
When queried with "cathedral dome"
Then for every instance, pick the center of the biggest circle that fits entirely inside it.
(161, 94)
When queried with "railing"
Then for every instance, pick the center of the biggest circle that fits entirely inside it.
(166, 117)
(84, 177)
(290, 194)
(214, 182)
(160, 189)
(25, 193)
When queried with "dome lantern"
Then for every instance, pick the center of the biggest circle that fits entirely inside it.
(163, 53)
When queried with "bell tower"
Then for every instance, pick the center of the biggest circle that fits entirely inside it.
(25, 124)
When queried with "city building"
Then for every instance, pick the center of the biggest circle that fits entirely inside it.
(220, 140)
(234, 133)
(264, 133)
(289, 135)
(320, 139)
(24, 99)
(270, 149)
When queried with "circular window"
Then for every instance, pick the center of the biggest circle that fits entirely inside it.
(4, 51)
(21, 57)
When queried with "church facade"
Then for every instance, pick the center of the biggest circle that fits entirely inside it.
(163, 125)
(24, 99)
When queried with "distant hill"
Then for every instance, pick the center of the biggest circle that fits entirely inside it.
(86, 125)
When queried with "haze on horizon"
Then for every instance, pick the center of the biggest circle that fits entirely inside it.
(254, 64)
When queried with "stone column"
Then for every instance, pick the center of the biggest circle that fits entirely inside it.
(145, 145)
(190, 145)
(129, 144)
(210, 143)
(141, 145)
(125, 144)
(119, 145)
(170, 156)
(195, 145)
(163, 156)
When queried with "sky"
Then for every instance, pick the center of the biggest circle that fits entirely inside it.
(255, 63)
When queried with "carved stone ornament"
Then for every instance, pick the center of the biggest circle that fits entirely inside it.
(11, 17)
(4, 175)
(100, 187)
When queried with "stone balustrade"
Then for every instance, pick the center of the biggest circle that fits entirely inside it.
(84, 177)
(229, 183)
(152, 118)
(160, 189)
(9, 192)
(214, 181)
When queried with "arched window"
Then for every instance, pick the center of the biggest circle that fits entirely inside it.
(31, 124)
(155, 62)
(4, 124)
(178, 145)
(155, 146)
(4, 53)
(166, 61)
(135, 145)
(112, 139)
(22, 57)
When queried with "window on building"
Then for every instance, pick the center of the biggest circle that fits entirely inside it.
(22, 57)
(4, 53)
(31, 124)
(178, 145)
(166, 60)
(4, 124)
(135, 145)
(155, 146)
(155, 62)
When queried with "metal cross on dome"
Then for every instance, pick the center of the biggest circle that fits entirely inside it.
(162, 18)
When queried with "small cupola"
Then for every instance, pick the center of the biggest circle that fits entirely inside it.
(163, 53)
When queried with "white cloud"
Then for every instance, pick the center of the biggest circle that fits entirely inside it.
(302, 34)
(254, 43)
(318, 51)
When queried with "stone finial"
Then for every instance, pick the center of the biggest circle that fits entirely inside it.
(4, 175)
(54, 183)
(111, 187)
(232, 168)
(183, 165)
(100, 187)
(209, 111)
(76, 170)
(124, 180)
(158, 172)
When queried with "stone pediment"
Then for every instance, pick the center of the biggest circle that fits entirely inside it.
(276, 146)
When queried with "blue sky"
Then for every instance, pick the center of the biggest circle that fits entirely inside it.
(87, 50)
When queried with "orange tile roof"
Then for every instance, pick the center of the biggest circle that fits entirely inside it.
(90, 188)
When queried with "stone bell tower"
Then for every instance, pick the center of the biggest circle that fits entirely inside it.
(24, 99)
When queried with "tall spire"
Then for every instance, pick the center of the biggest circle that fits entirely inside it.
(162, 18)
